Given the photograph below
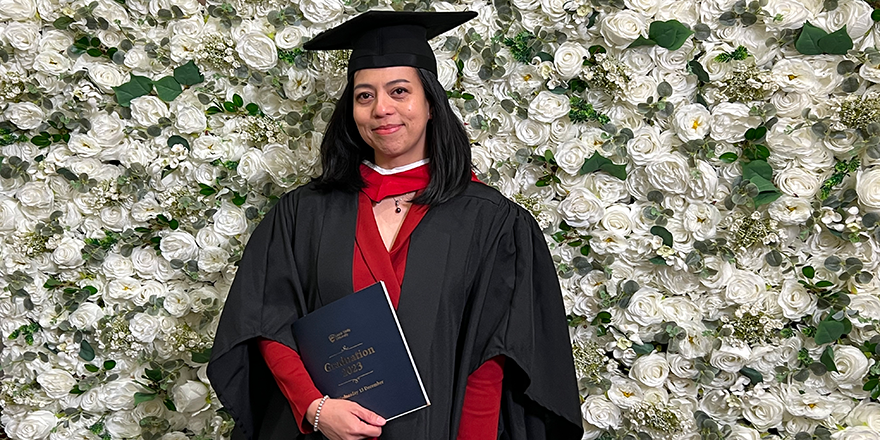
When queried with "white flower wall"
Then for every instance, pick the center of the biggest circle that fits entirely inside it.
(707, 174)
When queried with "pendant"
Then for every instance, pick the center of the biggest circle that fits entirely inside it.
(397, 206)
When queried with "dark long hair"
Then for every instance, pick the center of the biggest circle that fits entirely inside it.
(447, 147)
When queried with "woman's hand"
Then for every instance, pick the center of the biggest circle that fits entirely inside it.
(342, 419)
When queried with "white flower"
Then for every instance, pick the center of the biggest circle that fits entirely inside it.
(618, 220)
(107, 129)
(86, 315)
(600, 412)
(251, 166)
(570, 155)
(178, 245)
(795, 75)
(791, 105)
(25, 115)
(700, 220)
(639, 89)
(447, 72)
(646, 7)
(177, 303)
(795, 301)
(207, 148)
(790, 210)
(36, 194)
(289, 37)
(740, 432)
(68, 253)
(763, 409)
(117, 266)
(257, 51)
(731, 120)
(852, 365)
(569, 59)
(670, 173)
(868, 187)
(19, 10)
(547, 107)
(621, 28)
(51, 62)
(24, 36)
(144, 327)
(84, 145)
(230, 220)
(791, 14)
(300, 84)
(745, 287)
(122, 425)
(731, 356)
(651, 370)
(867, 414)
(855, 15)
(856, 433)
(190, 119)
(36, 425)
(798, 182)
(191, 396)
(106, 76)
(581, 208)
(321, 11)
(118, 395)
(691, 122)
(645, 307)
(147, 110)
(532, 132)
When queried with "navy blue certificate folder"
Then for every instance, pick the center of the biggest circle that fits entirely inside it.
(353, 348)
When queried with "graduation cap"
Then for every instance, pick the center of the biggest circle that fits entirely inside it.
(389, 38)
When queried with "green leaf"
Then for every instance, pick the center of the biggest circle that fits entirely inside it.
(754, 134)
(658, 260)
(871, 384)
(140, 398)
(829, 331)
(755, 376)
(836, 43)
(237, 100)
(86, 351)
(698, 70)
(765, 198)
(661, 232)
(757, 168)
(807, 42)
(62, 22)
(642, 41)
(643, 348)
(91, 368)
(238, 199)
(168, 88)
(201, 357)
(188, 74)
(875, 15)
(597, 162)
(169, 404)
(174, 140)
(109, 364)
(824, 283)
(136, 87)
(729, 157)
(206, 190)
(827, 359)
(252, 109)
(669, 34)
(808, 272)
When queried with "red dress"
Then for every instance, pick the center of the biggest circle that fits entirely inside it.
(372, 262)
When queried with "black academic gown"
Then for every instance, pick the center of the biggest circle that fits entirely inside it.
(479, 282)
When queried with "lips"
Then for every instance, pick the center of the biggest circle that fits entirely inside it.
(387, 129)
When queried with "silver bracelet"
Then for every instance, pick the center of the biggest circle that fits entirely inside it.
(318, 412)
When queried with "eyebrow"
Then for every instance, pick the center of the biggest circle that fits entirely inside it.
(389, 83)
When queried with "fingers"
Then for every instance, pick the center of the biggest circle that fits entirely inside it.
(346, 420)
(368, 416)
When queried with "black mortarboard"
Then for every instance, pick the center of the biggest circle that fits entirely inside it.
(389, 38)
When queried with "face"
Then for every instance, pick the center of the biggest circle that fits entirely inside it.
(391, 112)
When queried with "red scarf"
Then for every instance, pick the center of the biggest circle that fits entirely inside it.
(379, 186)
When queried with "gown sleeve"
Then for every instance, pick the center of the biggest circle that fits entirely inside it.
(265, 298)
(540, 399)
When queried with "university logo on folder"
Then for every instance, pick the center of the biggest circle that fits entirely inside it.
(354, 348)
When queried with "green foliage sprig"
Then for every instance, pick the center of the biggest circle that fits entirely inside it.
(841, 169)
(738, 54)
(523, 46)
(583, 111)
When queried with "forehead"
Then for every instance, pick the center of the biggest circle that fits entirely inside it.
(380, 76)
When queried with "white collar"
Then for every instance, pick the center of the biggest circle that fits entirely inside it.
(395, 170)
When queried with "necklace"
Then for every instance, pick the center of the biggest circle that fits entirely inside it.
(398, 199)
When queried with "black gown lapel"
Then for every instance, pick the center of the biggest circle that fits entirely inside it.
(336, 248)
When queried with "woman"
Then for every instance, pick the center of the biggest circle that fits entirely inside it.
(478, 296)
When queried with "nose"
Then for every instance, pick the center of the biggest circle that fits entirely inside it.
(383, 105)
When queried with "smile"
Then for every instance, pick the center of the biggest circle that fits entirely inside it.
(387, 129)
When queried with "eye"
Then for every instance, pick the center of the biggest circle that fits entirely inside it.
(363, 96)
(399, 91)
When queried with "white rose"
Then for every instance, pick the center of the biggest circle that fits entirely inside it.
(8, 214)
(300, 84)
(855, 15)
(600, 412)
(645, 307)
(792, 105)
(621, 28)
(24, 36)
(745, 287)
(184, 48)
(207, 148)
(447, 72)
(639, 89)
(56, 383)
(731, 120)
(868, 187)
(740, 432)
(647, 144)
(18, 10)
(691, 122)
(68, 253)
(257, 51)
(147, 110)
(178, 245)
(289, 37)
(700, 220)
(852, 365)
(117, 266)
(569, 59)
(190, 119)
(84, 145)
(122, 289)
(670, 173)
(764, 410)
(856, 433)
(230, 220)
(107, 129)
(144, 327)
(867, 414)
(581, 208)
(137, 59)
(106, 76)
(122, 425)
(651, 370)
(321, 11)
(798, 182)
(25, 115)
(115, 218)
(532, 132)
(191, 396)
(790, 210)
(547, 107)
(570, 155)
(35, 425)
(608, 188)
(91, 401)
(795, 75)
(618, 220)
(36, 194)
(177, 303)
(625, 393)
(118, 395)
(51, 62)
(251, 166)
(646, 7)
(86, 315)
(731, 357)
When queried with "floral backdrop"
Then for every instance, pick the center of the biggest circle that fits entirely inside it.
(707, 173)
